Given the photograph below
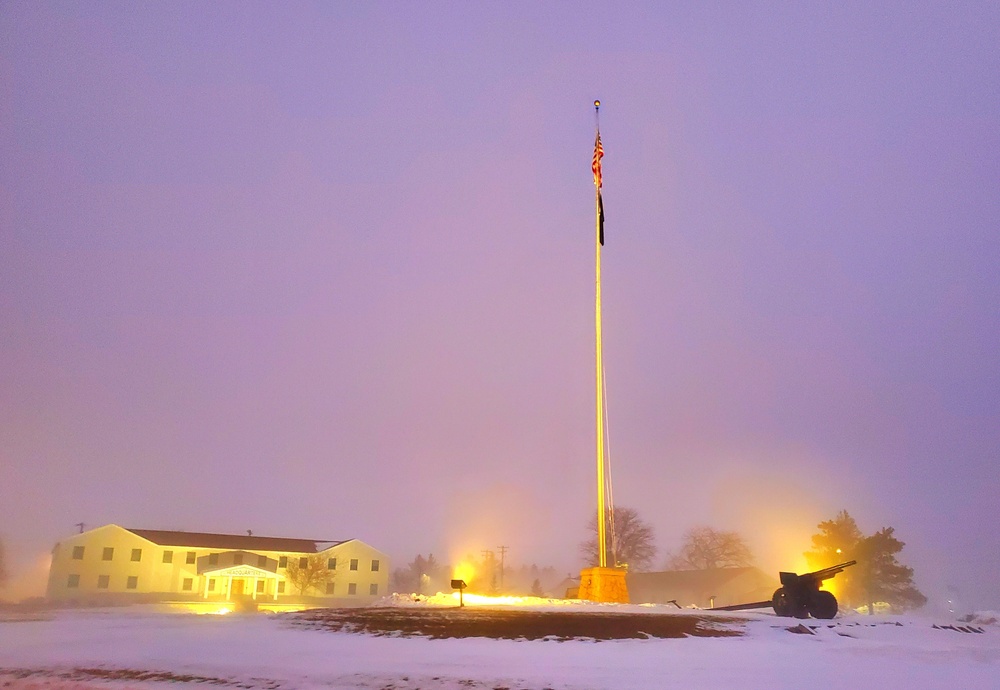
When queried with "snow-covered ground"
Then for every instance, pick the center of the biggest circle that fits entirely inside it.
(83, 649)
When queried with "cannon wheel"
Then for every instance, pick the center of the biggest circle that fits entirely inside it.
(785, 603)
(780, 603)
(823, 604)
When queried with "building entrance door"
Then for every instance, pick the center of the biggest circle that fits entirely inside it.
(237, 588)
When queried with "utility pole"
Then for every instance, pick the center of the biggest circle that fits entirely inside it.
(503, 552)
(490, 561)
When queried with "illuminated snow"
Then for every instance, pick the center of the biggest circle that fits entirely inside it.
(264, 651)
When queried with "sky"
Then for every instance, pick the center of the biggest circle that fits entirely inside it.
(326, 270)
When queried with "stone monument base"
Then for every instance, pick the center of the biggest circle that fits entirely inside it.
(605, 585)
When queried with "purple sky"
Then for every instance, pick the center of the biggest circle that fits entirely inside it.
(326, 271)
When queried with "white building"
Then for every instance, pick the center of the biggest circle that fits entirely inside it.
(111, 564)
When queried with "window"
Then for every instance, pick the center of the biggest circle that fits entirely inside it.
(352, 588)
(281, 588)
(373, 590)
(73, 581)
(260, 586)
(330, 587)
(190, 558)
(188, 584)
(213, 559)
(136, 554)
(211, 585)
(331, 564)
(238, 559)
(77, 553)
(282, 561)
(304, 562)
(103, 581)
(168, 556)
(109, 553)
(354, 564)
(261, 561)
(375, 566)
(133, 582)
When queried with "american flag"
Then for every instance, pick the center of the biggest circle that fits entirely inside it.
(596, 165)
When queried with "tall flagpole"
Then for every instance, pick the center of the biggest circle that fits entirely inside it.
(601, 583)
(599, 354)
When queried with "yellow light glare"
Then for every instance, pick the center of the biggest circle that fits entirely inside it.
(501, 600)
(465, 571)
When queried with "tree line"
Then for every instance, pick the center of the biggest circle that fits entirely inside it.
(877, 577)
(426, 576)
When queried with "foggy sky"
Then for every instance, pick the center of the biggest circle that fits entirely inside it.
(326, 271)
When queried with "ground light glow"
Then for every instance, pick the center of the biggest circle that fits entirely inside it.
(201, 609)
(486, 600)
(215, 608)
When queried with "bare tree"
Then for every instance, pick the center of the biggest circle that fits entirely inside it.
(705, 548)
(310, 572)
(630, 542)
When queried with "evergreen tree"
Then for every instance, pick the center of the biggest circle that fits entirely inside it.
(837, 542)
(418, 577)
(878, 576)
(882, 577)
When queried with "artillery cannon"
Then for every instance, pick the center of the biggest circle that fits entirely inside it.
(799, 595)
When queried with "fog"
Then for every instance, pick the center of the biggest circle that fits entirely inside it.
(328, 273)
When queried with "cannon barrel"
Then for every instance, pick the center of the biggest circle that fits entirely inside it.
(816, 576)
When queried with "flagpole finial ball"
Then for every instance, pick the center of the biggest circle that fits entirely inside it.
(597, 104)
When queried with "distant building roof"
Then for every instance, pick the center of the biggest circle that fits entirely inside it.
(698, 587)
(714, 577)
(236, 542)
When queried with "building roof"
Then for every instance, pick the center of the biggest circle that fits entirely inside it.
(236, 542)
(715, 577)
(699, 587)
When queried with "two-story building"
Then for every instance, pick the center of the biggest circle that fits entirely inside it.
(113, 564)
